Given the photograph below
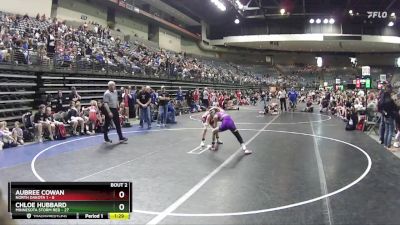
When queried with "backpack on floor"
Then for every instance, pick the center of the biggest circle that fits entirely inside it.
(27, 135)
(61, 133)
(26, 120)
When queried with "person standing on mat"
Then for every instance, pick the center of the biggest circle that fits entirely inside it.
(110, 103)
(144, 100)
(163, 99)
(206, 102)
(227, 123)
(282, 98)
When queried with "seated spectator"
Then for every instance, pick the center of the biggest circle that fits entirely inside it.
(171, 112)
(309, 107)
(74, 96)
(17, 133)
(6, 136)
(100, 114)
(72, 117)
(122, 114)
(372, 102)
(352, 120)
(60, 100)
(41, 125)
(93, 116)
(50, 119)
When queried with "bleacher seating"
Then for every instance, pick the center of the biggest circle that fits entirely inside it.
(17, 93)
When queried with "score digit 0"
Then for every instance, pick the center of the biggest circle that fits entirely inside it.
(121, 207)
(121, 194)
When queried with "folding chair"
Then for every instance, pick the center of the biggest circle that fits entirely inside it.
(372, 122)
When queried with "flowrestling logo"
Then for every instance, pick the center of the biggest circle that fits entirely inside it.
(377, 14)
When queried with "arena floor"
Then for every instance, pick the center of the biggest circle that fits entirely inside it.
(305, 169)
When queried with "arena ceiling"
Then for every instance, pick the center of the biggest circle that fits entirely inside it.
(323, 46)
(270, 9)
(263, 17)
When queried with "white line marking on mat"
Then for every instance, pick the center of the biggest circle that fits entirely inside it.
(116, 166)
(290, 123)
(83, 138)
(361, 177)
(193, 151)
(283, 207)
(203, 181)
(322, 178)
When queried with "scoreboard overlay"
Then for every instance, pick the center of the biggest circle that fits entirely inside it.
(70, 200)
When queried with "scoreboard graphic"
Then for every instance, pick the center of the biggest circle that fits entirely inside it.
(70, 200)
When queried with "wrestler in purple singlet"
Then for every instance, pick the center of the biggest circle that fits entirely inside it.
(226, 122)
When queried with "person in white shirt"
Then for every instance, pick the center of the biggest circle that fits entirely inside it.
(282, 98)
(206, 103)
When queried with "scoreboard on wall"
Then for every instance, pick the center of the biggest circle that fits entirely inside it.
(70, 200)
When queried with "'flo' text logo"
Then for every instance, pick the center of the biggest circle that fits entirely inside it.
(377, 14)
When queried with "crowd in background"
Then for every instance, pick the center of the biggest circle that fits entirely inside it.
(54, 120)
(48, 41)
(357, 107)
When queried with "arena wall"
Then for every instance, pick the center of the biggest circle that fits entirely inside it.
(192, 47)
(169, 40)
(82, 11)
(30, 7)
(131, 26)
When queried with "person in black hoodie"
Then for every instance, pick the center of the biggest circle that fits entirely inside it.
(390, 113)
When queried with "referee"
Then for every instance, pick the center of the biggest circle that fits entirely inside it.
(110, 100)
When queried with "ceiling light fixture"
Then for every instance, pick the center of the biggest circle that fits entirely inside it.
(351, 12)
(239, 4)
(311, 21)
(326, 21)
(318, 21)
(237, 21)
(282, 11)
(391, 24)
(219, 5)
(331, 21)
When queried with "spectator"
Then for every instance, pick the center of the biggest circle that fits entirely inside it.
(389, 112)
(132, 102)
(17, 133)
(205, 99)
(179, 96)
(74, 96)
(190, 100)
(93, 116)
(171, 112)
(282, 98)
(6, 136)
(126, 99)
(41, 125)
(154, 107)
(60, 100)
(50, 120)
(72, 117)
(163, 99)
(144, 100)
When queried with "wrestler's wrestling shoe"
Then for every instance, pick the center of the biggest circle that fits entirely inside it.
(213, 147)
(246, 151)
(220, 142)
(202, 144)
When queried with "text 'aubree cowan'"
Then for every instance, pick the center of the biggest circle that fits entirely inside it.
(40, 192)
